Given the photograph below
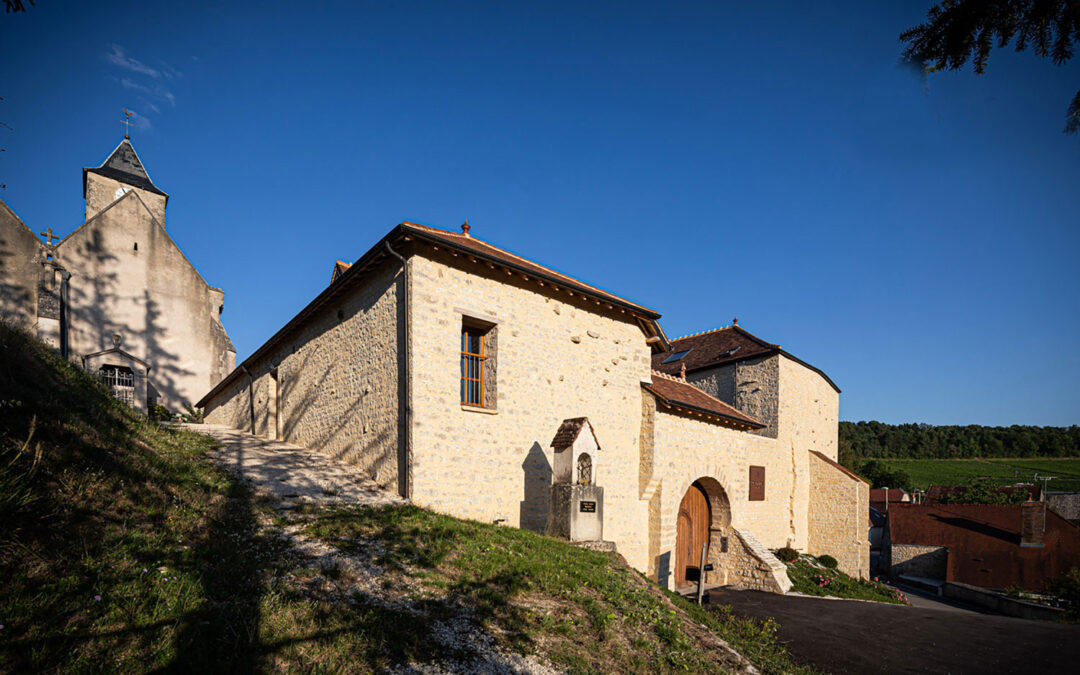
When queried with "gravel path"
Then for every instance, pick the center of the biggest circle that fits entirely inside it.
(291, 472)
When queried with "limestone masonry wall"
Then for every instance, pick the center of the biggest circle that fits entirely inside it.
(929, 562)
(839, 509)
(337, 381)
(20, 270)
(130, 278)
(557, 358)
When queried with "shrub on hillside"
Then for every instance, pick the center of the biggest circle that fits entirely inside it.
(787, 554)
(159, 413)
(827, 561)
(1068, 589)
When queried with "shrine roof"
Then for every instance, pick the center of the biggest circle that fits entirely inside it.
(678, 393)
(569, 431)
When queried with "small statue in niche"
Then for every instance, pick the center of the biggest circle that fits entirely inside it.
(584, 469)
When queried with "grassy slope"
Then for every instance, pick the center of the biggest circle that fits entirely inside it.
(124, 549)
(809, 577)
(926, 472)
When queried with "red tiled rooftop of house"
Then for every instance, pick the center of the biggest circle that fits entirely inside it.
(679, 393)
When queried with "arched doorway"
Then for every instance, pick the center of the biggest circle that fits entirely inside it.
(703, 518)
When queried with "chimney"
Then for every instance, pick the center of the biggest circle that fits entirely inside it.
(1032, 523)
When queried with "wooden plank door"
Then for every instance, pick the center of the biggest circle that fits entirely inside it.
(691, 533)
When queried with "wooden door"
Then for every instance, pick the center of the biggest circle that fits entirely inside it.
(691, 533)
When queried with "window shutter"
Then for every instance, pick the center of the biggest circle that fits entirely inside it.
(757, 483)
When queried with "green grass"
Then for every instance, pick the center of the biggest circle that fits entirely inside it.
(811, 578)
(927, 472)
(124, 549)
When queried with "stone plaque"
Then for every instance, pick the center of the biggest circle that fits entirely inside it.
(588, 507)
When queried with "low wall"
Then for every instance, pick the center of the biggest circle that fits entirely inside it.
(839, 509)
(747, 565)
(928, 562)
(1002, 604)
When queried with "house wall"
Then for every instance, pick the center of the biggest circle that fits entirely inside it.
(686, 449)
(838, 510)
(751, 385)
(337, 380)
(152, 296)
(558, 357)
(21, 253)
(929, 562)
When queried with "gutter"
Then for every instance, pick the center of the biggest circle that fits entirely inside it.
(404, 385)
(65, 277)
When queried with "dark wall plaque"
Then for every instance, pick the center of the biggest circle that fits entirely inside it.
(588, 507)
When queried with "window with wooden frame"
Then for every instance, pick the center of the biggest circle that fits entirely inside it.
(757, 483)
(478, 349)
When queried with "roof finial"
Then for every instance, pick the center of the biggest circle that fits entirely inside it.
(127, 124)
(682, 371)
(735, 321)
(465, 227)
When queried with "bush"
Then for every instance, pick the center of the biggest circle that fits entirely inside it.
(828, 561)
(1068, 589)
(194, 415)
(787, 554)
(159, 413)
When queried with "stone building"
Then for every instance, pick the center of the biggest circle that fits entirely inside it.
(444, 366)
(116, 295)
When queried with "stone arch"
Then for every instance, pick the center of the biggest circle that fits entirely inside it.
(703, 516)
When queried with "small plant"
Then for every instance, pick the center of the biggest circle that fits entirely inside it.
(159, 413)
(827, 561)
(787, 554)
(194, 415)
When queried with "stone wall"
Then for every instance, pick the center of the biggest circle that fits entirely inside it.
(1067, 505)
(337, 380)
(838, 517)
(751, 566)
(21, 255)
(101, 193)
(751, 385)
(929, 562)
(559, 356)
(129, 278)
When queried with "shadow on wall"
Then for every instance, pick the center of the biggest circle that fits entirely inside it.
(537, 474)
(93, 293)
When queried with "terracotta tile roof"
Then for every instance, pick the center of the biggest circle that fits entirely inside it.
(463, 241)
(895, 495)
(679, 393)
(340, 267)
(984, 542)
(569, 430)
(712, 348)
(718, 347)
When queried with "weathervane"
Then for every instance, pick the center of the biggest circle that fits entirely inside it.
(127, 123)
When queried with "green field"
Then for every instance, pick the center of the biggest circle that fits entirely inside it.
(927, 472)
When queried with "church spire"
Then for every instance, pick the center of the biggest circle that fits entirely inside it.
(124, 165)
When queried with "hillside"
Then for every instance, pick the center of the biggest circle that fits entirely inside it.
(865, 440)
(124, 549)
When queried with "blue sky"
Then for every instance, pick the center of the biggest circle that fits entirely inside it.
(916, 240)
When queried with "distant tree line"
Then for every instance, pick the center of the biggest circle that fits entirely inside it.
(864, 440)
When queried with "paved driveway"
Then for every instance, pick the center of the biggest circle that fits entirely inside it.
(290, 472)
(847, 636)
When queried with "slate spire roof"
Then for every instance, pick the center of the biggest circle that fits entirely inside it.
(125, 166)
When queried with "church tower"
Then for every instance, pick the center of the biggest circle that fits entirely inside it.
(121, 173)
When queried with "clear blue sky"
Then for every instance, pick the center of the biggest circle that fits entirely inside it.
(917, 241)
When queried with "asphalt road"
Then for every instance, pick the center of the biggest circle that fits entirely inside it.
(847, 636)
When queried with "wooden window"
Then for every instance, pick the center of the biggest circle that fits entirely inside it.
(757, 483)
(472, 366)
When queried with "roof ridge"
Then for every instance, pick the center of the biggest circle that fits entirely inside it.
(704, 332)
(522, 259)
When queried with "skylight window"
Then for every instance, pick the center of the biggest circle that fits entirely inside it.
(731, 351)
(677, 356)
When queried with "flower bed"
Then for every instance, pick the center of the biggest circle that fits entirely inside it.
(810, 577)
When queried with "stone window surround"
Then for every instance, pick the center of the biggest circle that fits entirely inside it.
(468, 318)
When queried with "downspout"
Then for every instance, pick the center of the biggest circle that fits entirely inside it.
(251, 397)
(65, 276)
(405, 387)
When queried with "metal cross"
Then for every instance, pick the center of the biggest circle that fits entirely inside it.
(127, 124)
(49, 236)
